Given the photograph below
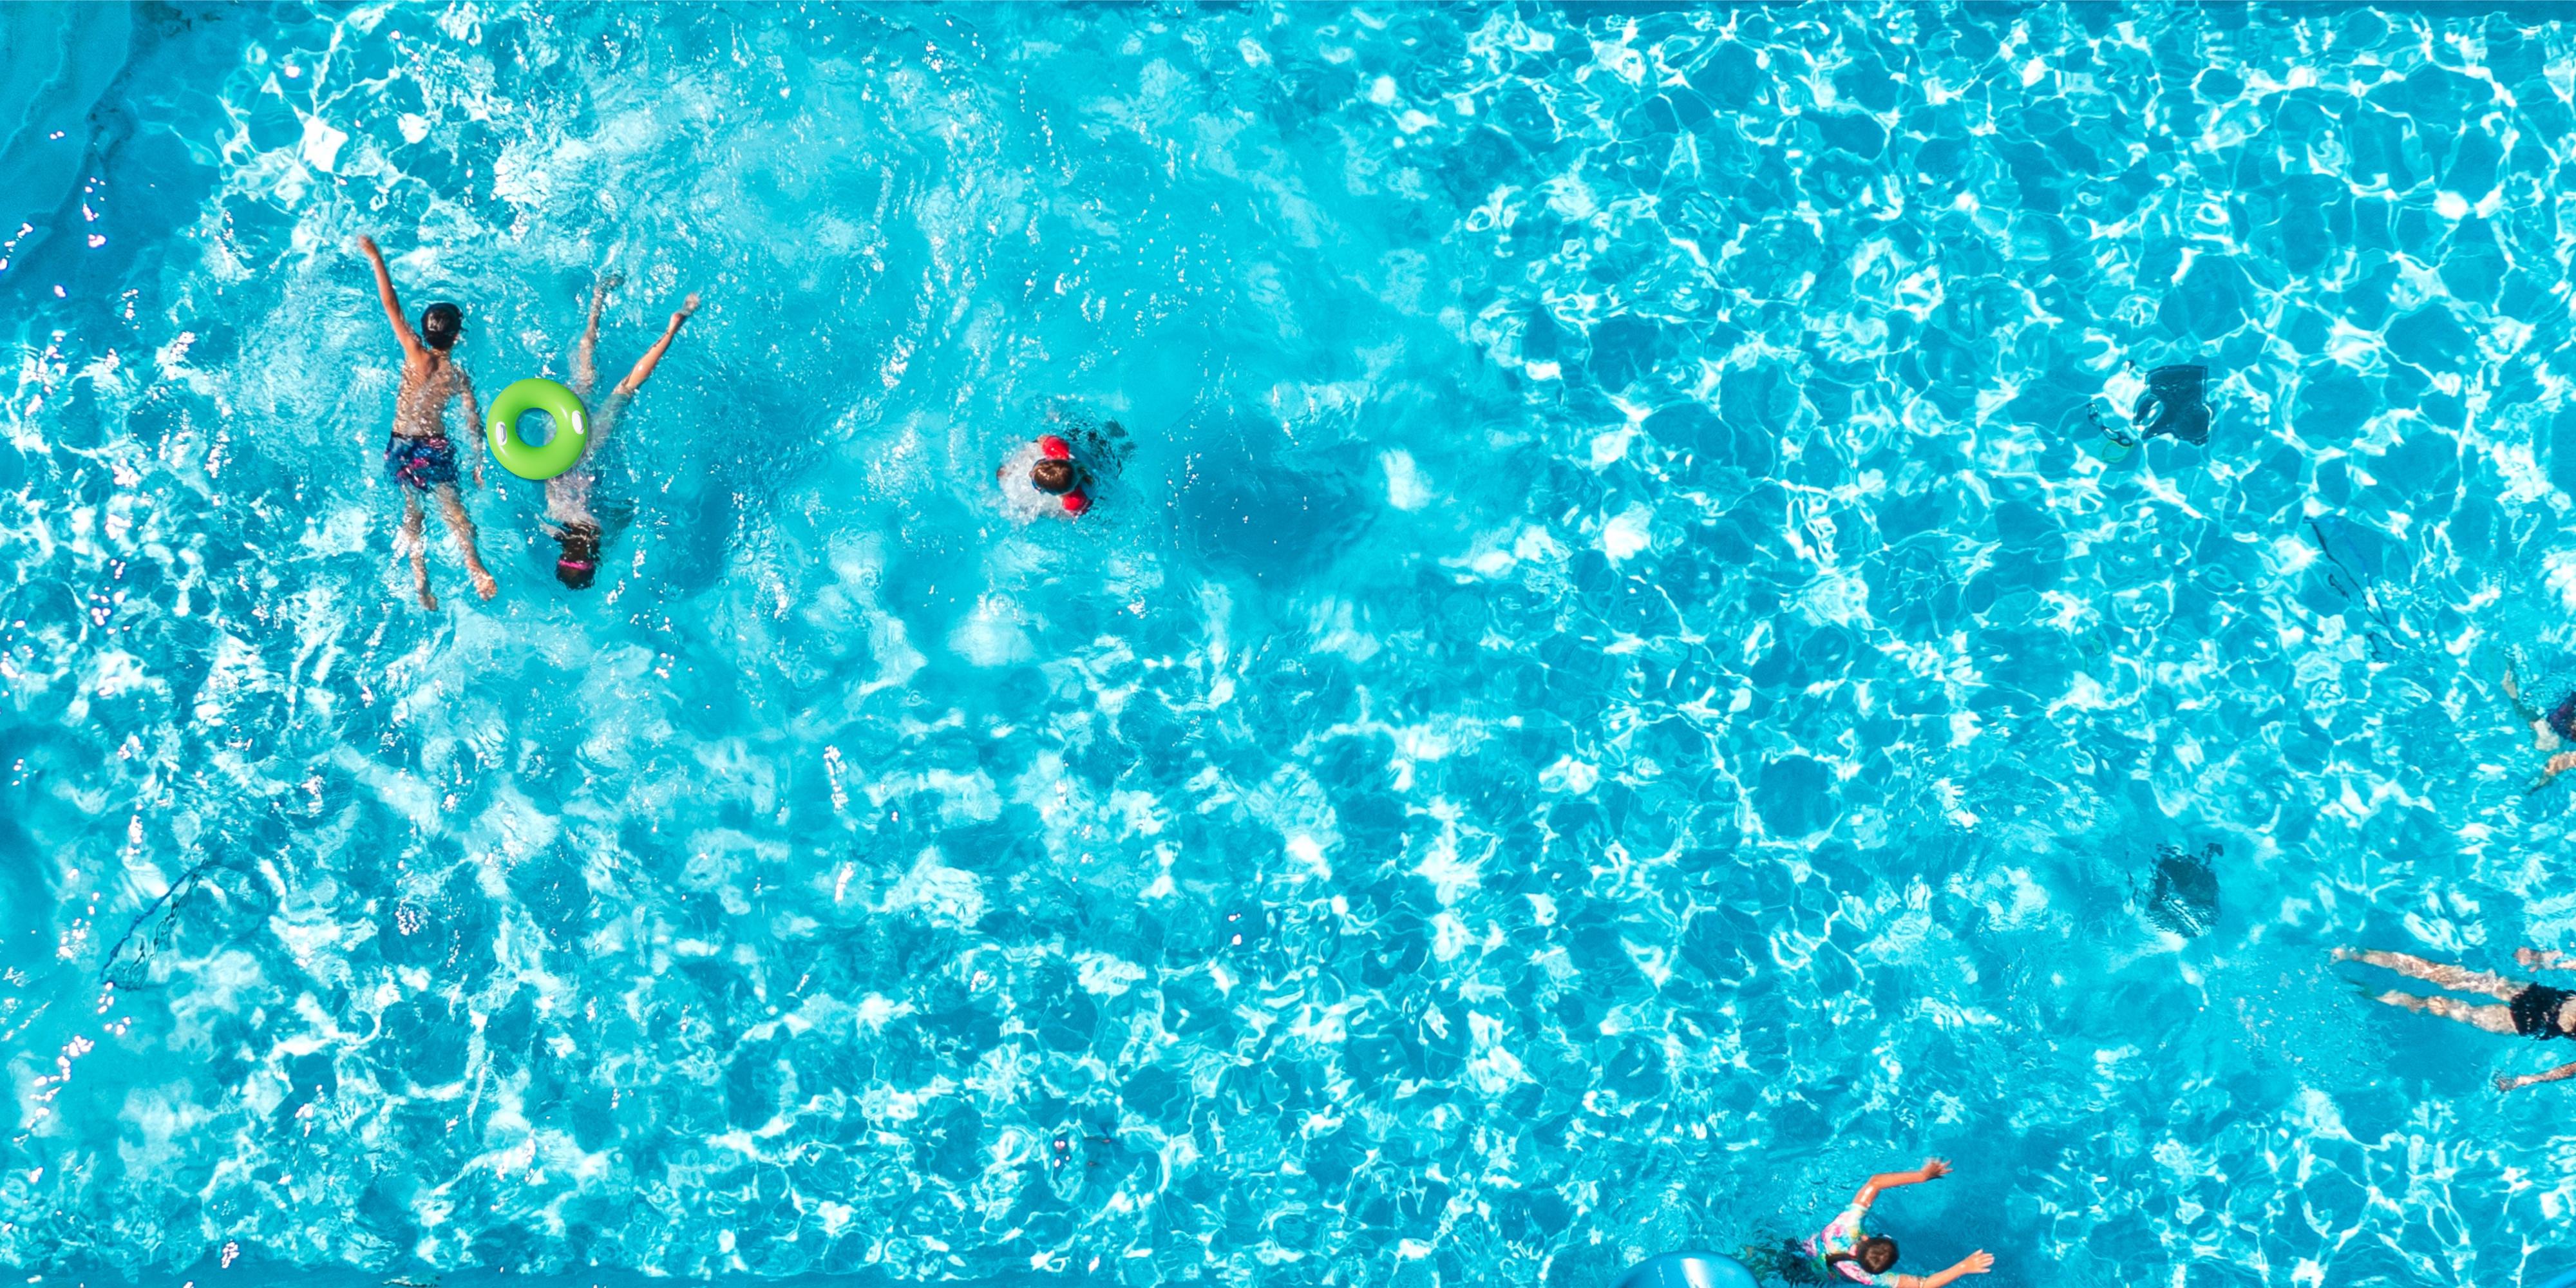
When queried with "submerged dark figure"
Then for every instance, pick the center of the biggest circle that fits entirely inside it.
(2184, 896)
(2176, 403)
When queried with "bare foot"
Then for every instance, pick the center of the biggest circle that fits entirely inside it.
(2408, 1000)
(484, 585)
(2507, 1084)
(687, 307)
(2343, 954)
(428, 600)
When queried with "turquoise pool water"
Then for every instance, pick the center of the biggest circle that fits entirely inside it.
(1608, 704)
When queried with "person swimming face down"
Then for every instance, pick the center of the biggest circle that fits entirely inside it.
(1875, 1253)
(578, 565)
(440, 324)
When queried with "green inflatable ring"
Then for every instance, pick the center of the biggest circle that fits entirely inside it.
(529, 460)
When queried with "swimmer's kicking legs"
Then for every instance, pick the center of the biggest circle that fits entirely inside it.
(2528, 1010)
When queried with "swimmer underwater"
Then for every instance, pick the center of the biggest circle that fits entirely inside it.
(2534, 1011)
(568, 495)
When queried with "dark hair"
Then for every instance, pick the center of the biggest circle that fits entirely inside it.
(1875, 1253)
(439, 324)
(1052, 475)
(578, 565)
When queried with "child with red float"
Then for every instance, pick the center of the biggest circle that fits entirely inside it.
(1047, 477)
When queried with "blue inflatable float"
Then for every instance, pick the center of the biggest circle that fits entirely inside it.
(1688, 1270)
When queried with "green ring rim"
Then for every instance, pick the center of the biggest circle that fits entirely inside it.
(537, 462)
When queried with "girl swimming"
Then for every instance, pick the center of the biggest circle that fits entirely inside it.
(1841, 1251)
(2535, 1011)
(568, 494)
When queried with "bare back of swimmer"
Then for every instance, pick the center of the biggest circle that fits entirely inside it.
(419, 455)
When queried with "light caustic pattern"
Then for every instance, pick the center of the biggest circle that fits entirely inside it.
(1608, 704)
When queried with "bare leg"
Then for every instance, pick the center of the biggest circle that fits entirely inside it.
(2494, 1019)
(585, 367)
(451, 508)
(653, 357)
(2559, 1074)
(413, 543)
(2451, 977)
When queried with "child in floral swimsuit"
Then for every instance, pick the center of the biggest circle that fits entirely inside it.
(1841, 1249)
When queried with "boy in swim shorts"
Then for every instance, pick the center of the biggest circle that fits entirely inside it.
(1843, 1252)
(568, 494)
(419, 456)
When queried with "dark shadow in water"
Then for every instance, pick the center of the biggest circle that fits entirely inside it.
(1795, 796)
(2181, 893)
(1246, 503)
(129, 959)
(27, 757)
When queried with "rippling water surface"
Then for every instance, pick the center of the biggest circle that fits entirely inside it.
(1608, 704)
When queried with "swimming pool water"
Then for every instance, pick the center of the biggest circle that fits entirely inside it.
(1608, 705)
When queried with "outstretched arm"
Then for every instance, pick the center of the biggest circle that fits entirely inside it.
(412, 350)
(1933, 1169)
(585, 371)
(1975, 1263)
(653, 357)
(2559, 1074)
